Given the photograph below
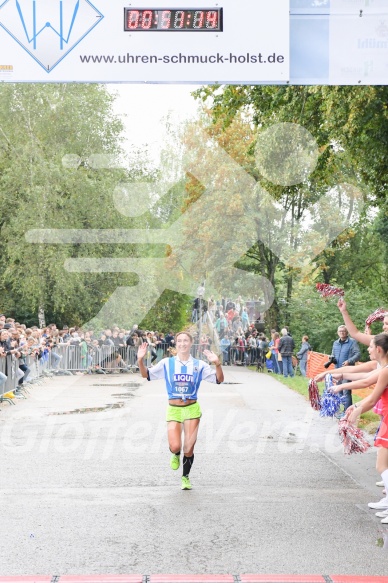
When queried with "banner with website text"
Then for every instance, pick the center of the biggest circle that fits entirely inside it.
(174, 41)
(332, 42)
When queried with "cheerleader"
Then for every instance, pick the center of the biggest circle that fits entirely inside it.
(378, 350)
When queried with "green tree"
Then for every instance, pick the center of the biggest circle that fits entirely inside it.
(319, 318)
(50, 179)
(171, 312)
(348, 124)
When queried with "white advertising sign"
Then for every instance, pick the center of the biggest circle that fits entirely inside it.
(358, 7)
(359, 50)
(178, 41)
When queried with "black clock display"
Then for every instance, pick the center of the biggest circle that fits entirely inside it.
(173, 19)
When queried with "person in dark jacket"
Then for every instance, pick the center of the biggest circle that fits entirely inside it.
(346, 353)
(286, 348)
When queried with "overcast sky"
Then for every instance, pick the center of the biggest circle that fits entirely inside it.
(143, 108)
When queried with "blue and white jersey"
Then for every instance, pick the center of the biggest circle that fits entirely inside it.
(182, 380)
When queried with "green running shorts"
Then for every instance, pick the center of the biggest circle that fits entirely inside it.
(181, 414)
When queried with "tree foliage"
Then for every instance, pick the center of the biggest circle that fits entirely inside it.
(49, 135)
(350, 127)
(319, 318)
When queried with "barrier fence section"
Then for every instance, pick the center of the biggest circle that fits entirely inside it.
(104, 358)
(65, 359)
(70, 359)
(237, 355)
(315, 362)
(8, 375)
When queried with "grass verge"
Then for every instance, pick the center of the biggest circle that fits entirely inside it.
(369, 421)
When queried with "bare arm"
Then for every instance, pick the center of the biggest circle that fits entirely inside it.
(369, 402)
(361, 383)
(215, 360)
(353, 331)
(364, 367)
(369, 366)
(141, 352)
(355, 376)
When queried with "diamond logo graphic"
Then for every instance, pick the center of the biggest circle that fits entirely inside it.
(48, 29)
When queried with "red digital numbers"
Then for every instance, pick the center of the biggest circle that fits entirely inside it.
(212, 19)
(146, 20)
(133, 19)
(173, 19)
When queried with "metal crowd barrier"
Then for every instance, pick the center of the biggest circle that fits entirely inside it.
(197, 350)
(232, 354)
(8, 368)
(3, 371)
(72, 358)
(244, 355)
(65, 359)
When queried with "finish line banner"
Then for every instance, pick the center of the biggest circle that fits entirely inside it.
(164, 41)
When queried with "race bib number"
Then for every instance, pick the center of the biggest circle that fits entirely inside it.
(183, 383)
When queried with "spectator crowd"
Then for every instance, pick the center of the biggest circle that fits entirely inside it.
(73, 350)
(242, 338)
(238, 324)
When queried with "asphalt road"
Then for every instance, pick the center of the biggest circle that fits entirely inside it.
(87, 488)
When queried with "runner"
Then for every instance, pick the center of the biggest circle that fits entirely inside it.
(183, 375)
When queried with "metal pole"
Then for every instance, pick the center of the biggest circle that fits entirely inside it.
(200, 323)
(200, 294)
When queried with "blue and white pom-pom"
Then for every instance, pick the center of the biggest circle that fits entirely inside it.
(330, 402)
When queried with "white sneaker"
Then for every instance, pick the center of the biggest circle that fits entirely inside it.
(385, 520)
(382, 514)
(380, 505)
(380, 484)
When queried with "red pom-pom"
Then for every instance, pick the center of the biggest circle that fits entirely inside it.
(327, 290)
(352, 437)
(376, 316)
(314, 396)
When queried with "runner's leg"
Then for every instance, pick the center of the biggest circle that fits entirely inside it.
(190, 430)
(174, 435)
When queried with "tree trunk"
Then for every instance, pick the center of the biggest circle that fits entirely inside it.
(273, 317)
(288, 297)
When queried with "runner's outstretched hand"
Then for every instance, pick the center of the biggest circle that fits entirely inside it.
(142, 350)
(211, 357)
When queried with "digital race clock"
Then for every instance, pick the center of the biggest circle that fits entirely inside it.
(173, 19)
